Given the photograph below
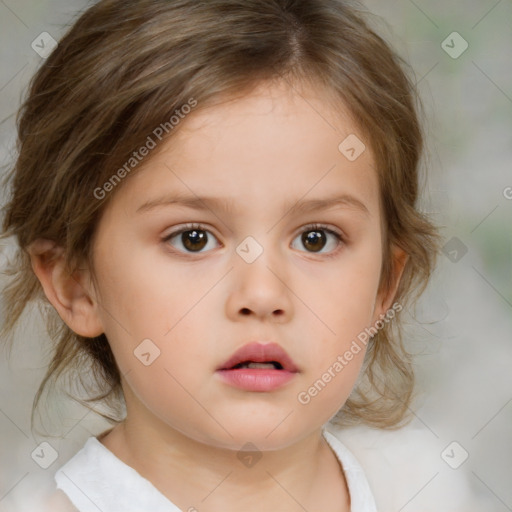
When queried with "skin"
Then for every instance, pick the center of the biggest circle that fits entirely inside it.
(184, 426)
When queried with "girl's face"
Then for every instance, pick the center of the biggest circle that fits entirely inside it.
(230, 236)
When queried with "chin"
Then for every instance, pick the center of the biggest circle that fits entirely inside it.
(265, 435)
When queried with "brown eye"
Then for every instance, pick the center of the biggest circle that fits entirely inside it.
(314, 240)
(193, 239)
(316, 237)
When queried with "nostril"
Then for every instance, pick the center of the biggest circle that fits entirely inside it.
(247, 311)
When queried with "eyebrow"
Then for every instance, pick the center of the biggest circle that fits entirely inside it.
(226, 205)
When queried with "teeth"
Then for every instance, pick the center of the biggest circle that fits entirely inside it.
(267, 366)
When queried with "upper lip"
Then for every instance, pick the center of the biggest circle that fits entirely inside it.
(258, 352)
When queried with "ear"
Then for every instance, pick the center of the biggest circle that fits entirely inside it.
(72, 295)
(385, 296)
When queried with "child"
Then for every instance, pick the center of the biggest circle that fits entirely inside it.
(281, 139)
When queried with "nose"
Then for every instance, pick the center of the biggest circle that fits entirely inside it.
(260, 289)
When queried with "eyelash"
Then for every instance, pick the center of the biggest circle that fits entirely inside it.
(310, 227)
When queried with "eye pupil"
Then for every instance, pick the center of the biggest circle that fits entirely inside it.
(194, 239)
(311, 238)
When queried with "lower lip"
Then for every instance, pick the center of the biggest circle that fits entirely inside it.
(256, 379)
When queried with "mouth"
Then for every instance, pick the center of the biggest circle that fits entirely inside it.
(271, 365)
(258, 367)
(257, 355)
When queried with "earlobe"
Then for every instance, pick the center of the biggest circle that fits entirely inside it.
(70, 294)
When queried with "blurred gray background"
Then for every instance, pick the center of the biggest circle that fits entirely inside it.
(462, 331)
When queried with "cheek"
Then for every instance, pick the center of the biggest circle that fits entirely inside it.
(135, 287)
(343, 293)
(329, 390)
(177, 402)
(345, 303)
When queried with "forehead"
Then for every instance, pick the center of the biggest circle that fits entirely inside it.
(278, 142)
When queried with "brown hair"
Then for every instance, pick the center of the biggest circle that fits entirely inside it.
(125, 68)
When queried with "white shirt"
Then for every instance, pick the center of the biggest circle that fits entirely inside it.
(95, 480)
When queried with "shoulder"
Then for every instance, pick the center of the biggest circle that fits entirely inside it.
(59, 502)
(72, 477)
(398, 463)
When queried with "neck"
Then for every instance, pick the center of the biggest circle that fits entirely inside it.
(202, 477)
